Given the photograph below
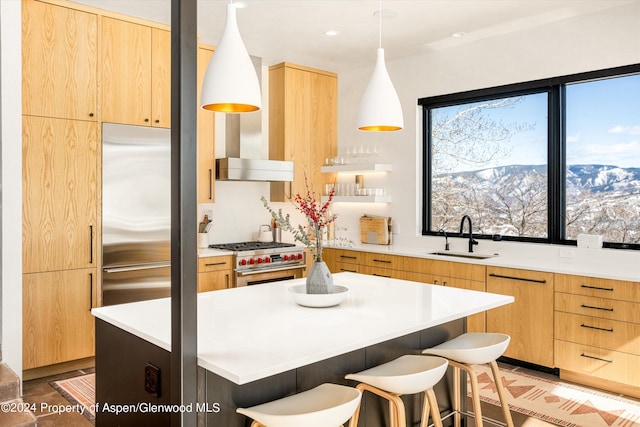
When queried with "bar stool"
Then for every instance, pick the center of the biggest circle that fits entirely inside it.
(326, 405)
(475, 348)
(407, 374)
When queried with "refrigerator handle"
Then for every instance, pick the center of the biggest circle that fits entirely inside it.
(136, 267)
(91, 244)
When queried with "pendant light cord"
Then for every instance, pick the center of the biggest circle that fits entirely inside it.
(380, 25)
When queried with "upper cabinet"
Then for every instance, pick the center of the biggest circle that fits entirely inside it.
(59, 57)
(136, 70)
(302, 125)
(206, 136)
(59, 196)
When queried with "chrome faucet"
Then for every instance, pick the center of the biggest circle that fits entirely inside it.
(472, 241)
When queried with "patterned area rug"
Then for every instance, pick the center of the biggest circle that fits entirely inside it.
(557, 402)
(79, 391)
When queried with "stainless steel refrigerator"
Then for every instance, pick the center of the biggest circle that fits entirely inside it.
(136, 213)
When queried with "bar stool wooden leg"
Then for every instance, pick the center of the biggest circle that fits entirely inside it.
(393, 415)
(457, 416)
(430, 396)
(397, 415)
(354, 418)
(475, 393)
(500, 389)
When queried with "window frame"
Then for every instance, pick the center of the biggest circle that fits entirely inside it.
(556, 146)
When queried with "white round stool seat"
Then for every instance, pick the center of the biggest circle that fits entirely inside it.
(326, 405)
(407, 374)
(474, 348)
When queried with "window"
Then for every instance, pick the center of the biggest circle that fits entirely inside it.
(489, 161)
(539, 161)
(603, 159)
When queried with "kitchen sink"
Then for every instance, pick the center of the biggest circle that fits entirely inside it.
(472, 255)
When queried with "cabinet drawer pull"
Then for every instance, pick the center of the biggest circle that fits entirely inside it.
(596, 308)
(90, 291)
(350, 271)
(91, 244)
(381, 275)
(596, 288)
(596, 358)
(524, 279)
(347, 256)
(210, 184)
(382, 260)
(596, 328)
(209, 264)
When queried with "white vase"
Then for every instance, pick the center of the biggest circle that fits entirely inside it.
(319, 279)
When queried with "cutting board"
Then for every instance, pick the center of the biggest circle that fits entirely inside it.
(375, 229)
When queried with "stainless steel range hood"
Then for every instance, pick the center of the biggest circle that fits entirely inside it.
(243, 143)
(237, 169)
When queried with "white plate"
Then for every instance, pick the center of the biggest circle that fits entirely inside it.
(301, 297)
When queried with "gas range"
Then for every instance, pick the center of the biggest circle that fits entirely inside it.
(263, 255)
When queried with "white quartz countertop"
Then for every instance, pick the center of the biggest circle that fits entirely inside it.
(249, 333)
(209, 252)
(587, 263)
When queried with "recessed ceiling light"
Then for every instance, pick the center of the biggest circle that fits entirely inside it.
(387, 13)
(458, 34)
(331, 33)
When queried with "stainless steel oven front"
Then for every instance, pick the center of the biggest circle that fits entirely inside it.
(248, 277)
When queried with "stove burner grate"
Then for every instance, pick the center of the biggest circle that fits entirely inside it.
(250, 246)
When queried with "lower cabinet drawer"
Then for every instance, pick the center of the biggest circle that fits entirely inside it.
(596, 332)
(393, 262)
(382, 272)
(216, 263)
(624, 311)
(599, 363)
(345, 266)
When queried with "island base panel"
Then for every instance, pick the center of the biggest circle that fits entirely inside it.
(375, 411)
(121, 359)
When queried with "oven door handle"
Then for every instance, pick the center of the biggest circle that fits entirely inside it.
(242, 273)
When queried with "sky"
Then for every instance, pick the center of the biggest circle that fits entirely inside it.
(602, 125)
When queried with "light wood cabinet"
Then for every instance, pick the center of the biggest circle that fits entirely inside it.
(136, 74)
(529, 320)
(59, 204)
(302, 125)
(383, 265)
(447, 273)
(345, 260)
(206, 136)
(160, 78)
(597, 325)
(214, 273)
(59, 61)
(57, 323)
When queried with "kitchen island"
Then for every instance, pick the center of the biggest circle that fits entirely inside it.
(256, 344)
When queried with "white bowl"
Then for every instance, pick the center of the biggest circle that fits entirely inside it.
(301, 297)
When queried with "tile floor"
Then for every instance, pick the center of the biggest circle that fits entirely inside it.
(39, 391)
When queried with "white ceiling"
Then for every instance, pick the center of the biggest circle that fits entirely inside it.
(293, 30)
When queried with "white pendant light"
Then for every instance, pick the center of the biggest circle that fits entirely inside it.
(230, 83)
(380, 108)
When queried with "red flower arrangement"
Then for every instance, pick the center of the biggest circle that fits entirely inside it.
(317, 215)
